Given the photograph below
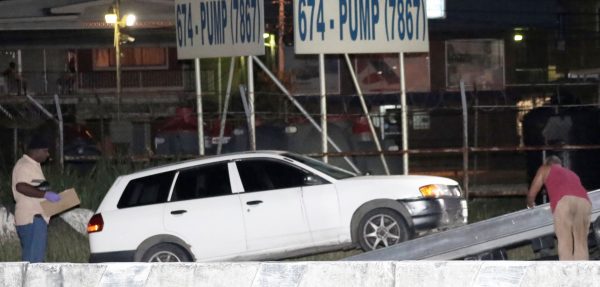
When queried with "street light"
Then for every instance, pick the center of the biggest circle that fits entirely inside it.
(113, 17)
(518, 37)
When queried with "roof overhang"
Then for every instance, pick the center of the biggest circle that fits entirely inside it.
(78, 14)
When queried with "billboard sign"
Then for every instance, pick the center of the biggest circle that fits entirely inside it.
(360, 26)
(380, 73)
(219, 28)
(477, 62)
(436, 9)
(304, 80)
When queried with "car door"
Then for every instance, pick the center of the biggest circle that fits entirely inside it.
(272, 205)
(321, 205)
(204, 212)
(139, 212)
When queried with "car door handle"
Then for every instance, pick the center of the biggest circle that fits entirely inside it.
(181, 211)
(254, 202)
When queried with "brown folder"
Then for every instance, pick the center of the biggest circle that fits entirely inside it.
(68, 200)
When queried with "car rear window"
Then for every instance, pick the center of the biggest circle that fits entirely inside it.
(201, 182)
(147, 190)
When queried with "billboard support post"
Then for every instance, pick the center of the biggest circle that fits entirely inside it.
(226, 105)
(199, 113)
(323, 90)
(404, 111)
(252, 132)
(367, 115)
(302, 110)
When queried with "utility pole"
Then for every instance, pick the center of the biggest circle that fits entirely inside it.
(113, 17)
(117, 45)
(280, 42)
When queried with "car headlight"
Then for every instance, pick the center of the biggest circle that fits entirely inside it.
(439, 190)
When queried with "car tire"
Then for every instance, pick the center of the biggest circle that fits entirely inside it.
(381, 227)
(166, 252)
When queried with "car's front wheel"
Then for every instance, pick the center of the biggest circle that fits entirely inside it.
(381, 228)
(166, 252)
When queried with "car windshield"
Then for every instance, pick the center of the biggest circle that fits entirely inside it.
(333, 171)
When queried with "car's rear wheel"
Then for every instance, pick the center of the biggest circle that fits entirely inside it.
(381, 227)
(166, 252)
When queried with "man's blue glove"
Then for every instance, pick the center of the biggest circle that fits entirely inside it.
(51, 196)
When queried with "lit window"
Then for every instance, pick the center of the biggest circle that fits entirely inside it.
(133, 57)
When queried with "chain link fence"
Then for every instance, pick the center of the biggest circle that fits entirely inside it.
(161, 124)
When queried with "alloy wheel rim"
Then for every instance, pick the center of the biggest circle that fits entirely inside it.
(380, 231)
(164, 256)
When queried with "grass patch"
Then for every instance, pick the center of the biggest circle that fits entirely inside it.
(524, 252)
(64, 245)
(327, 256)
(10, 250)
(486, 207)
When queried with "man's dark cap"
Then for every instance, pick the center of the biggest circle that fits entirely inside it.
(38, 142)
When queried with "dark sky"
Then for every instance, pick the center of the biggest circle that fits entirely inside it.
(489, 14)
(474, 14)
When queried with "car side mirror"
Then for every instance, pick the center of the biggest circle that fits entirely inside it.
(312, 180)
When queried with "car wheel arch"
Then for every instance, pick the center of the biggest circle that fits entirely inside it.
(379, 203)
(158, 239)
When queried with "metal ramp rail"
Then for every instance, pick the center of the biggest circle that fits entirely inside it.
(476, 238)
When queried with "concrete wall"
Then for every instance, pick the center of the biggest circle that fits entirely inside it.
(323, 274)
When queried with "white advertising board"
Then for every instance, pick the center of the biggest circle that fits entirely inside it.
(360, 26)
(436, 9)
(219, 28)
(477, 62)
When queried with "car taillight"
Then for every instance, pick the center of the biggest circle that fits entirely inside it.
(96, 223)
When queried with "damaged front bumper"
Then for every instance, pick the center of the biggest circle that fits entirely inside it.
(437, 213)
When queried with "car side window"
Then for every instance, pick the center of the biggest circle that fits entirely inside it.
(201, 182)
(146, 190)
(262, 174)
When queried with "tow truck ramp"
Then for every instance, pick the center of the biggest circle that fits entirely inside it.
(476, 238)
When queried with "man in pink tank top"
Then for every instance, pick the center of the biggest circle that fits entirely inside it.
(570, 205)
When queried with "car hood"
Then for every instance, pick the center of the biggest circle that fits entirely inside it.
(404, 179)
(395, 186)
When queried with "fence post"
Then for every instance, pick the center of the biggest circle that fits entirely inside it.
(463, 99)
(61, 139)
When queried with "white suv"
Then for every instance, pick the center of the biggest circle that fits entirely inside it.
(263, 205)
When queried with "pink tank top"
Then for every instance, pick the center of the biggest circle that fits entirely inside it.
(561, 182)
